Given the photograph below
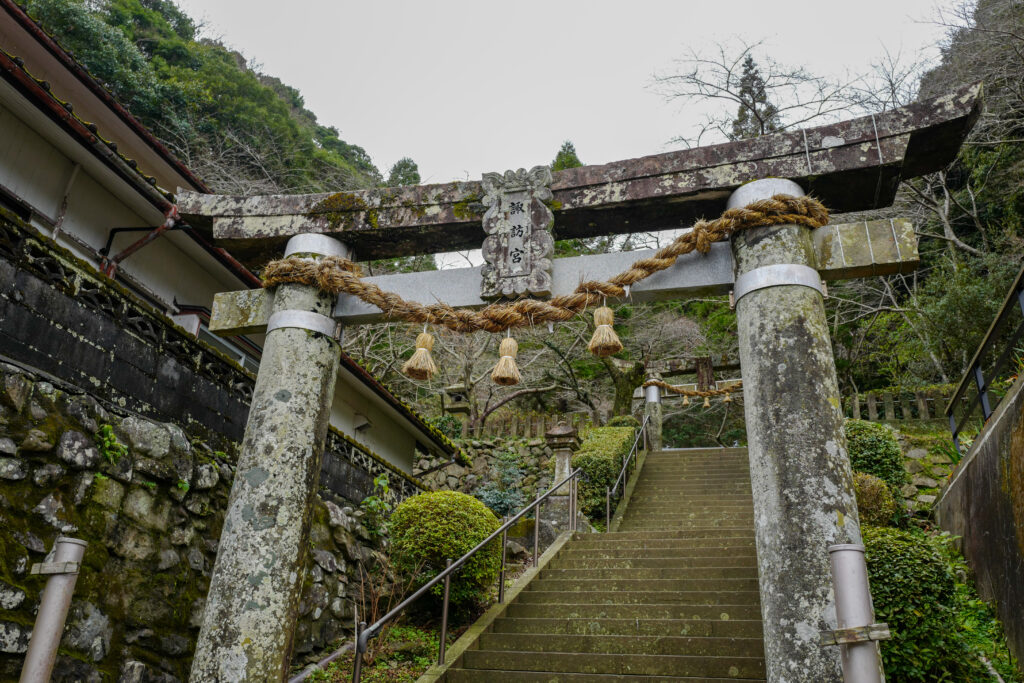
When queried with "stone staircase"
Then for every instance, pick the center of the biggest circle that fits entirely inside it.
(671, 594)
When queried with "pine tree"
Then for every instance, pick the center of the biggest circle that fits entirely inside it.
(757, 116)
(404, 172)
(566, 158)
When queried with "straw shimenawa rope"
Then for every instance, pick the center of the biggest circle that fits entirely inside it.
(693, 392)
(338, 275)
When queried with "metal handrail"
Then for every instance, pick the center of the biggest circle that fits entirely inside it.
(611, 491)
(364, 633)
(974, 374)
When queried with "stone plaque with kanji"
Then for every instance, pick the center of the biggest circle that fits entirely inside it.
(518, 247)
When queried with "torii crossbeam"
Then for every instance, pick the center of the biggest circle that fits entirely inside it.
(803, 494)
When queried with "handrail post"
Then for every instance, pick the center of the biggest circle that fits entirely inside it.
(607, 508)
(979, 379)
(572, 505)
(501, 572)
(357, 663)
(536, 530)
(444, 616)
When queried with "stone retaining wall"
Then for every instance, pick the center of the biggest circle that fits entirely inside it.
(533, 456)
(150, 503)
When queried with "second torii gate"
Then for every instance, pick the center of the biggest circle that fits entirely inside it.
(802, 485)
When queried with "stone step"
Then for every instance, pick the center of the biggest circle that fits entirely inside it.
(625, 645)
(683, 511)
(581, 539)
(619, 573)
(738, 628)
(724, 553)
(489, 676)
(670, 585)
(644, 562)
(618, 664)
(635, 611)
(677, 547)
(638, 597)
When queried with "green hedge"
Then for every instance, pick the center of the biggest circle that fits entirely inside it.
(601, 456)
(428, 529)
(873, 449)
(875, 502)
(914, 591)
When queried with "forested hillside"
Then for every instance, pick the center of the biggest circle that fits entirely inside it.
(240, 130)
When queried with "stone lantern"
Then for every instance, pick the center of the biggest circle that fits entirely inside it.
(563, 441)
(457, 403)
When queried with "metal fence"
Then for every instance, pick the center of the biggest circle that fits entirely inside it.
(996, 364)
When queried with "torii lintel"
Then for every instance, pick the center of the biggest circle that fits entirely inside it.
(852, 165)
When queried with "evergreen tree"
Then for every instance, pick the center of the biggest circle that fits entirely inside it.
(404, 172)
(757, 116)
(566, 158)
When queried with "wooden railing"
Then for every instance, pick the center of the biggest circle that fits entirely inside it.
(899, 404)
(529, 425)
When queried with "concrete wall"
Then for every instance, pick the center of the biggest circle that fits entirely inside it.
(984, 506)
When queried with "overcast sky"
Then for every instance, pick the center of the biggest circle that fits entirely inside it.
(469, 87)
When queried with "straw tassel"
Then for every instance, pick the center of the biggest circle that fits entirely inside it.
(604, 342)
(421, 365)
(707, 402)
(505, 372)
(686, 400)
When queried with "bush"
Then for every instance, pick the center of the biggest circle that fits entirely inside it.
(875, 502)
(448, 425)
(432, 527)
(623, 421)
(601, 456)
(502, 495)
(873, 449)
(914, 591)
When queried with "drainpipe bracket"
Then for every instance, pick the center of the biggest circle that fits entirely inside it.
(44, 568)
(858, 634)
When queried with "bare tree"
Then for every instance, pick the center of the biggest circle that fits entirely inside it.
(798, 97)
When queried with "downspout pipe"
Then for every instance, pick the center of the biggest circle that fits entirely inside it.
(109, 265)
(172, 220)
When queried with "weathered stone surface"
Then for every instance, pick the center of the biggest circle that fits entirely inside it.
(206, 476)
(926, 499)
(51, 509)
(13, 469)
(924, 482)
(78, 450)
(7, 446)
(146, 437)
(47, 475)
(657, 192)
(325, 560)
(14, 638)
(800, 473)
(16, 390)
(108, 493)
(37, 441)
(167, 559)
(917, 453)
(88, 630)
(133, 543)
(30, 541)
(908, 491)
(143, 507)
(10, 597)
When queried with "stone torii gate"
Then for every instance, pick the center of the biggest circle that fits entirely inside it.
(802, 484)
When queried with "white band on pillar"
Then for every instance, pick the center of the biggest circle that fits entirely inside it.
(305, 320)
(766, 188)
(775, 276)
(652, 394)
(315, 243)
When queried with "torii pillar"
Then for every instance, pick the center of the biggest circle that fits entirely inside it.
(254, 593)
(802, 483)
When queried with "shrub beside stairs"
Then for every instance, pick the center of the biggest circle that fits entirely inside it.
(670, 593)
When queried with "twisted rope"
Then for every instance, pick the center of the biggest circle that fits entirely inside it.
(336, 275)
(692, 392)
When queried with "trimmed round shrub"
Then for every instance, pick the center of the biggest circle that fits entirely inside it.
(428, 529)
(875, 502)
(601, 456)
(913, 588)
(873, 449)
(623, 421)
